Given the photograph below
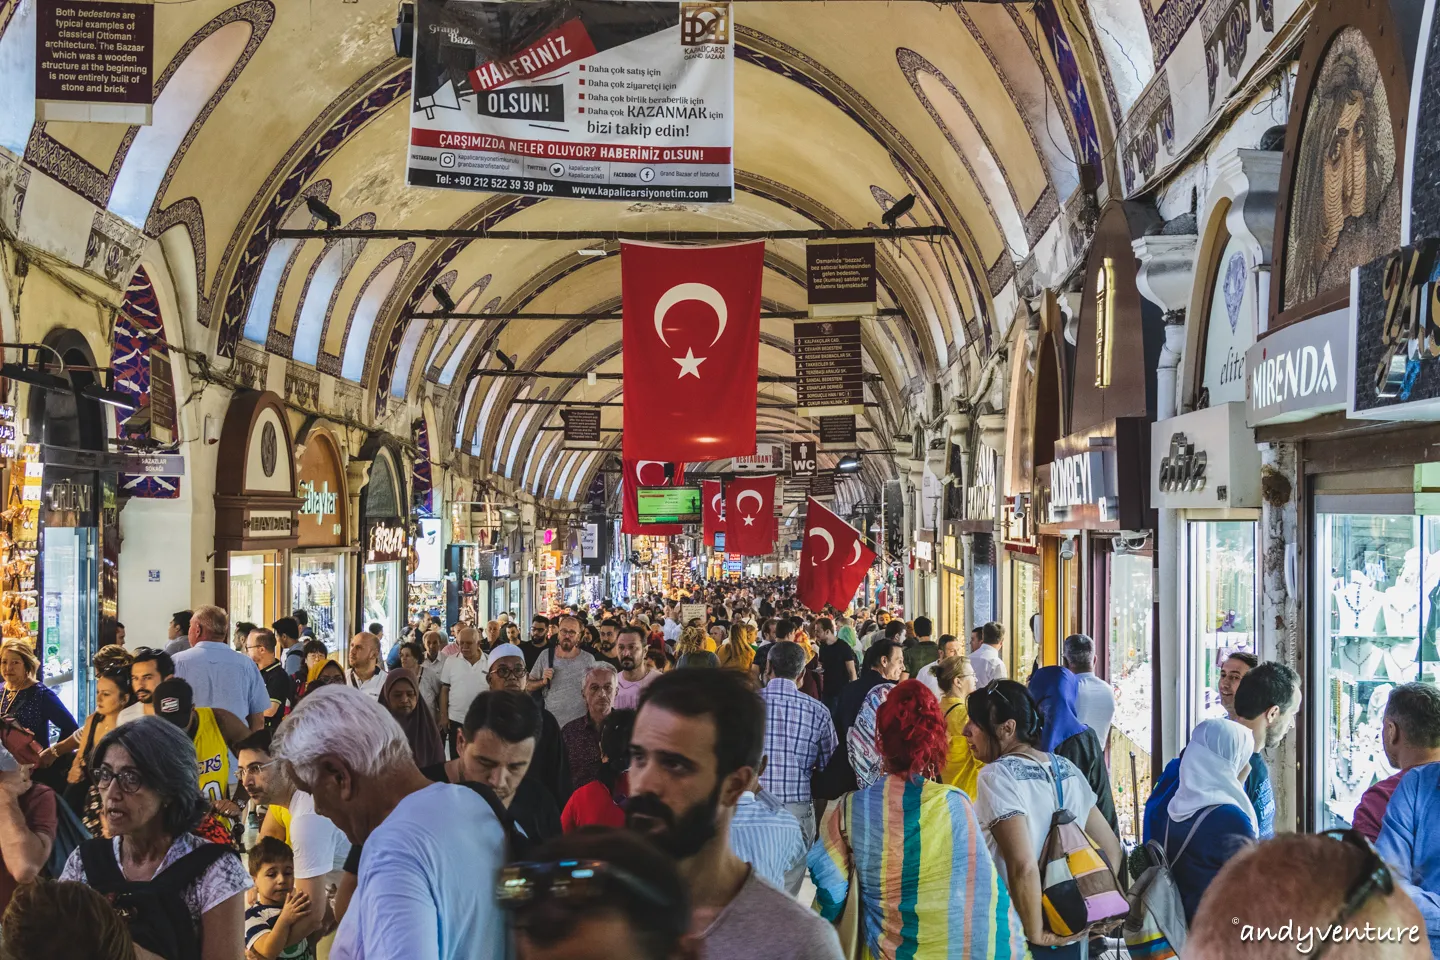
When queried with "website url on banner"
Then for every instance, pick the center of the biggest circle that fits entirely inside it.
(631, 193)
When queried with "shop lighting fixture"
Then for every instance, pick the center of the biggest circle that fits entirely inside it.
(403, 33)
(34, 377)
(324, 214)
(442, 297)
(848, 464)
(114, 398)
(898, 210)
(589, 252)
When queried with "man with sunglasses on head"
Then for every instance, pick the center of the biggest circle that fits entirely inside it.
(320, 848)
(695, 750)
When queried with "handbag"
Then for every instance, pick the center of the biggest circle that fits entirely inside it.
(1077, 887)
(19, 741)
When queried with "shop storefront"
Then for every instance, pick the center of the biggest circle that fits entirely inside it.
(320, 565)
(386, 549)
(427, 571)
(256, 509)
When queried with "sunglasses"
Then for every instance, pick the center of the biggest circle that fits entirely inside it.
(1374, 880)
(577, 882)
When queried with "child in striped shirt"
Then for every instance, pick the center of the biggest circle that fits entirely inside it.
(278, 907)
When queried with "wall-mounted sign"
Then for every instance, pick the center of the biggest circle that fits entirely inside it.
(320, 503)
(802, 459)
(837, 430)
(828, 370)
(1300, 371)
(922, 550)
(582, 425)
(428, 551)
(1231, 329)
(162, 397)
(840, 278)
(93, 61)
(980, 492)
(268, 524)
(1082, 479)
(155, 464)
(502, 566)
(385, 542)
(1395, 324)
(1205, 460)
(767, 458)
(590, 541)
(66, 496)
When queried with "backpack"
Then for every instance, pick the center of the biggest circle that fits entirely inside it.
(1156, 927)
(1078, 889)
(70, 832)
(154, 910)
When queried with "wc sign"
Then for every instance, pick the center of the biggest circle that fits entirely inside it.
(802, 459)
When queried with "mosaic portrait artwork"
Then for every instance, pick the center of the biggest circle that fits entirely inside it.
(1345, 197)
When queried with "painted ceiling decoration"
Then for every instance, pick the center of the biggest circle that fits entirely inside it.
(996, 117)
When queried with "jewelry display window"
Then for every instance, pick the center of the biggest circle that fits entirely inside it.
(1220, 605)
(1378, 585)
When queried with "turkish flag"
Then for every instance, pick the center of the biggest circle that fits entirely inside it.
(644, 473)
(832, 562)
(712, 510)
(691, 349)
(750, 526)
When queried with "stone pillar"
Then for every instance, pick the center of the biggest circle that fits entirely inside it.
(1280, 626)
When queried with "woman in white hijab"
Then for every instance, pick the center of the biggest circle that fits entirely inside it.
(1210, 819)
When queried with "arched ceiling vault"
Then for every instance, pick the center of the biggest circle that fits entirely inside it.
(981, 110)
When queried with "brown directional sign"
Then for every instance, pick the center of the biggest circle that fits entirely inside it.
(582, 424)
(840, 273)
(828, 370)
(802, 459)
(162, 397)
(837, 430)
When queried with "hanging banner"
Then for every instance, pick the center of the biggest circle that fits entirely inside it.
(840, 278)
(828, 371)
(582, 425)
(94, 62)
(574, 98)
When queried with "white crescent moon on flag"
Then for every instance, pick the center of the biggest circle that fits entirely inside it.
(823, 534)
(855, 559)
(759, 500)
(681, 292)
(715, 503)
(640, 470)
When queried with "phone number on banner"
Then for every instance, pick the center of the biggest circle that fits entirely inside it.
(565, 188)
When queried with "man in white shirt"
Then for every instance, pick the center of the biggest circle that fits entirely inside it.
(949, 647)
(986, 658)
(425, 887)
(673, 626)
(462, 679)
(365, 672)
(1095, 701)
(320, 848)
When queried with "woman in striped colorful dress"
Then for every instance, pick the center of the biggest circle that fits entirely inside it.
(928, 887)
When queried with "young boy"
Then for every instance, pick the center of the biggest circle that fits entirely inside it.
(278, 905)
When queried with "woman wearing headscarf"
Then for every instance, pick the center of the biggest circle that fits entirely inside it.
(1054, 690)
(400, 694)
(1210, 819)
(929, 886)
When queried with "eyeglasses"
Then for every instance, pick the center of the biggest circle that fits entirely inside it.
(574, 881)
(508, 673)
(255, 769)
(1376, 879)
(128, 777)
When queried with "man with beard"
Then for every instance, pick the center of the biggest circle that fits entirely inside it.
(604, 651)
(539, 639)
(148, 670)
(694, 752)
(1266, 701)
(559, 675)
(549, 766)
(635, 671)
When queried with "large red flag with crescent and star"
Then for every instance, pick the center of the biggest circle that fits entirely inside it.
(833, 560)
(712, 505)
(691, 349)
(750, 526)
(645, 473)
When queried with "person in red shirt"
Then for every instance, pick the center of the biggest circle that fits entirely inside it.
(27, 826)
(597, 803)
(1411, 738)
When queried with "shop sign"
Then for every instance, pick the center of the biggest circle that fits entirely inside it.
(429, 566)
(1182, 469)
(1205, 460)
(268, 524)
(320, 503)
(502, 566)
(590, 541)
(766, 459)
(980, 495)
(93, 62)
(1395, 328)
(922, 550)
(949, 551)
(68, 497)
(1083, 479)
(8, 434)
(385, 542)
(1300, 371)
(1231, 329)
(840, 278)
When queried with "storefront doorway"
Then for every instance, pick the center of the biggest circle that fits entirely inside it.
(319, 566)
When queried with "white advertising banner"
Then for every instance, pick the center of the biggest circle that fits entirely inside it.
(574, 98)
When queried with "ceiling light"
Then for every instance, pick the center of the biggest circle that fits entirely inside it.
(442, 297)
(590, 252)
(324, 214)
(114, 398)
(848, 464)
(898, 210)
(875, 527)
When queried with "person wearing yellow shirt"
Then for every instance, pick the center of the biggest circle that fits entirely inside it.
(956, 678)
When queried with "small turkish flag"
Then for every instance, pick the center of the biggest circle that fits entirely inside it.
(832, 562)
(691, 349)
(712, 510)
(645, 473)
(750, 516)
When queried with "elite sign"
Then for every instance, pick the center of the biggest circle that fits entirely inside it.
(574, 98)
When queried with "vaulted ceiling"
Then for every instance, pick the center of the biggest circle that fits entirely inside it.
(985, 111)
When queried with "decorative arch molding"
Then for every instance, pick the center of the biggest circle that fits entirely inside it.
(189, 214)
(291, 250)
(349, 252)
(332, 363)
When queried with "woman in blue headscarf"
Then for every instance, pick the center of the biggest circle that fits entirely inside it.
(1054, 690)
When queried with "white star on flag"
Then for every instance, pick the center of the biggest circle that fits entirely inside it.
(689, 364)
(749, 521)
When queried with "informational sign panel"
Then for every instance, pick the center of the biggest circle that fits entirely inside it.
(823, 484)
(582, 425)
(840, 278)
(590, 541)
(574, 98)
(692, 611)
(162, 398)
(94, 61)
(828, 371)
(837, 430)
(429, 551)
(795, 490)
(802, 459)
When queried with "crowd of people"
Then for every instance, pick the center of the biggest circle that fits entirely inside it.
(765, 781)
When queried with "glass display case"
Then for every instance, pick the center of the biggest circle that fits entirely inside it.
(1221, 606)
(382, 600)
(316, 587)
(1024, 608)
(1377, 583)
(1129, 613)
(252, 587)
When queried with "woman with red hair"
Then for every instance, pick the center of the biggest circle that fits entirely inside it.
(928, 886)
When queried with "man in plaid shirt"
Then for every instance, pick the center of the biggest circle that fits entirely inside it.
(799, 739)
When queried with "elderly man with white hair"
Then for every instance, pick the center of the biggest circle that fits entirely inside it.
(582, 735)
(432, 850)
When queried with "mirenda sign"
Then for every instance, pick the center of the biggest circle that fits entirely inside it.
(1299, 371)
